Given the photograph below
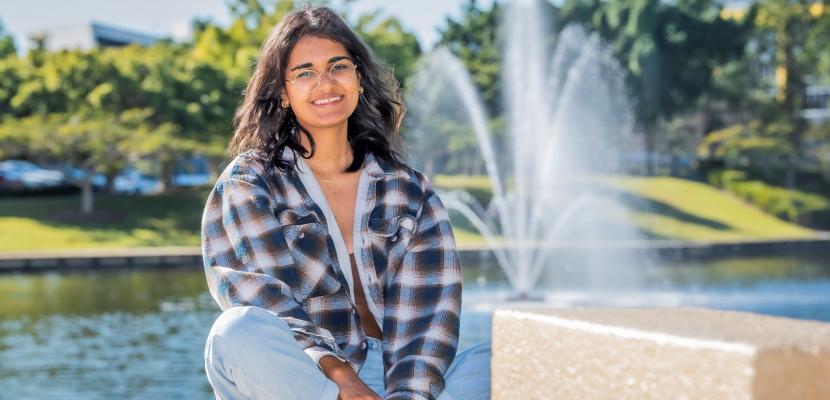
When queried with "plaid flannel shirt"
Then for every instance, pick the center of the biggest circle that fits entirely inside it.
(265, 243)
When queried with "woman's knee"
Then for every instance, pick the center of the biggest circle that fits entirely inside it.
(243, 325)
(475, 359)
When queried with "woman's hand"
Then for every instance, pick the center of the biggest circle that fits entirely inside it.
(350, 385)
(355, 389)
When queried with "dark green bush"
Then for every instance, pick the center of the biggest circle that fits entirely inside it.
(790, 205)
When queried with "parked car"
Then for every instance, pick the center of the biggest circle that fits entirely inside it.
(131, 181)
(190, 180)
(7, 183)
(99, 181)
(28, 175)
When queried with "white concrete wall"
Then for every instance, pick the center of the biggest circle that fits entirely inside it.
(657, 354)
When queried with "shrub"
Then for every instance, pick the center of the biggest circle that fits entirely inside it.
(790, 205)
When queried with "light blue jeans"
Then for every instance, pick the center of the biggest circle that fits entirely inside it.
(252, 354)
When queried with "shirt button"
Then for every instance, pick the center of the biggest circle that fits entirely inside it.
(363, 344)
(394, 238)
(302, 235)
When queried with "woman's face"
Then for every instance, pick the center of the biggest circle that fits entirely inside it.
(327, 104)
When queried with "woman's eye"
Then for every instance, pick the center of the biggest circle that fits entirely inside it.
(339, 67)
(304, 75)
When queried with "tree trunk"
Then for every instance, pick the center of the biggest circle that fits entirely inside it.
(790, 175)
(167, 171)
(111, 182)
(650, 148)
(86, 193)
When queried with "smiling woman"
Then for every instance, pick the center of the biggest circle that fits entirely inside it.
(305, 57)
(334, 262)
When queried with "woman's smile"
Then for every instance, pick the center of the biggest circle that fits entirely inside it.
(327, 101)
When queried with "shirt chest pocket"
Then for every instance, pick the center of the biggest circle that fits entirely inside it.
(390, 238)
(312, 273)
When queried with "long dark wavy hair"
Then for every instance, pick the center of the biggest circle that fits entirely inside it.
(260, 122)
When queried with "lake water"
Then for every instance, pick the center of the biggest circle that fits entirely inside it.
(140, 334)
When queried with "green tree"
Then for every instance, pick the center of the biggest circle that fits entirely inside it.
(7, 47)
(745, 146)
(390, 42)
(795, 34)
(476, 39)
(11, 76)
(60, 81)
(94, 142)
(234, 49)
(788, 27)
(669, 50)
(816, 46)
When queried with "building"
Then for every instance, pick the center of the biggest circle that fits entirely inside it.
(92, 35)
(817, 103)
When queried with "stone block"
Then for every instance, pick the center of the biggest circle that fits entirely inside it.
(669, 353)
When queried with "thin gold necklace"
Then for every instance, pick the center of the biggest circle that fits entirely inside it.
(327, 180)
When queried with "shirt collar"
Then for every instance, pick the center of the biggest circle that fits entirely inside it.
(374, 167)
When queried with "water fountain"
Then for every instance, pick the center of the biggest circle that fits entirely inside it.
(568, 125)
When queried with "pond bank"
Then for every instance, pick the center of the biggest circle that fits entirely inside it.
(156, 257)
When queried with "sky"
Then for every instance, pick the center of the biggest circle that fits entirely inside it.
(172, 18)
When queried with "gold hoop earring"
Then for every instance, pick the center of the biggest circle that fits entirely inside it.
(284, 104)
(360, 90)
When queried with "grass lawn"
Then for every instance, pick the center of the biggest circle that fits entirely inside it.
(55, 222)
(660, 207)
(689, 210)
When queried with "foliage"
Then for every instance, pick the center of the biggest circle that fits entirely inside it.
(236, 48)
(669, 49)
(817, 143)
(7, 47)
(390, 42)
(475, 38)
(793, 33)
(786, 53)
(187, 92)
(688, 210)
(754, 144)
(816, 45)
(790, 205)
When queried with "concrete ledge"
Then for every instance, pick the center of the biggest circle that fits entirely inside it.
(818, 244)
(152, 257)
(88, 259)
(676, 353)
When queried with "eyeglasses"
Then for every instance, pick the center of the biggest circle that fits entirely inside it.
(341, 73)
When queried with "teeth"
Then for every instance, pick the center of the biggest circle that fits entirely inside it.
(329, 100)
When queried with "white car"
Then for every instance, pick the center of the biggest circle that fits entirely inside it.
(30, 175)
(131, 181)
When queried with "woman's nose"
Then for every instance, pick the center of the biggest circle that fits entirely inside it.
(326, 81)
